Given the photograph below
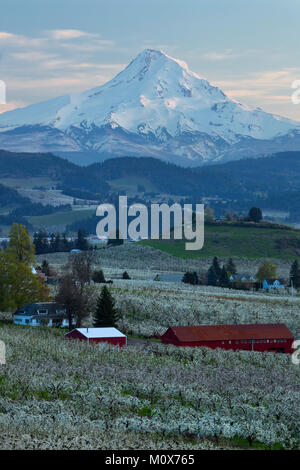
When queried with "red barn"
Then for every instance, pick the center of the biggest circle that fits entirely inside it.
(256, 337)
(98, 335)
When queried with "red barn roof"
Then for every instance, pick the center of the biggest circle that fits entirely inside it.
(231, 332)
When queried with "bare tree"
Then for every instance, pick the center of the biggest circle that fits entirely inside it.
(76, 298)
(81, 267)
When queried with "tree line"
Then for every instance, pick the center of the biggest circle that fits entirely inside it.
(53, 243)
(220, 276)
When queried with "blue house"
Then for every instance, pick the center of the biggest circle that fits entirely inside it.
(273, 284)
(41, 313)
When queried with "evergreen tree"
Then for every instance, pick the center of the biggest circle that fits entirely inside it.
(45, 267)
(230, 266)
(224, 280)
(212, 278)
(118, 240)
(65, 245)
(57, 243)
(125, 275)
(81, 242)
(255, 214)
(216, 266)
(98, 276)
(40, 242)
(295, 274)
(190, 278)
(105, 314)
(52, 243)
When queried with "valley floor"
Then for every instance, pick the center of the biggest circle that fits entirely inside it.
(56, 394)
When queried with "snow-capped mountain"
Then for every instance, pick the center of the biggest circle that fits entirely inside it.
(155, 107)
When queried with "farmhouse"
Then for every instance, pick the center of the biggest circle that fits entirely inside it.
(168, 277)
(255, 337)
(54, 280)
(98, 335)
(41, 313)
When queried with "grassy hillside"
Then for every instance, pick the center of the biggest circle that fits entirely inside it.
(21, 168)
(28, 183)
(271, 183)
(59, 220)
(247, 242)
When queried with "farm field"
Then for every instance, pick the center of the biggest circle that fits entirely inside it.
(58, 221)
(247, 242)
(150, 261)
(28, 183)
(68, 395)
(56, 394)
(150, 307)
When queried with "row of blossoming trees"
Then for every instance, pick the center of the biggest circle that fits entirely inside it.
(57, 391)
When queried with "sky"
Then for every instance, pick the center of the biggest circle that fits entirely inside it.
(250, 49)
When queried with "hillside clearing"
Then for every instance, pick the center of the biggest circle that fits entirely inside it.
(231, 241)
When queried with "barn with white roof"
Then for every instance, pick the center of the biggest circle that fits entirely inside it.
(98, 335)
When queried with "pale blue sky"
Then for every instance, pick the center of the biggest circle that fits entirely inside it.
(249, 48)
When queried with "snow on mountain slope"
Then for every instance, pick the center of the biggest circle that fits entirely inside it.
(156, 106)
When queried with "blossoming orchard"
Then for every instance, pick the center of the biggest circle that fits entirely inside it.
(59, 394)
(68, 395)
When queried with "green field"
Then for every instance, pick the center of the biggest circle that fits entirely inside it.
(246, 242)
(28, 183)
(60, 219)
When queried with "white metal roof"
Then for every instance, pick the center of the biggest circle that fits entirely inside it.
(108, 332)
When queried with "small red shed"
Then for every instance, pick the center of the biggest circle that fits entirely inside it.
(255, 337)
(98, 335)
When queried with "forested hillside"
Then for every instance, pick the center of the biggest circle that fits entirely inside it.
(267, 182)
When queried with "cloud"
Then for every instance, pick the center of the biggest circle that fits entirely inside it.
(89, 46)
(270, 89)
(66, 34)
(268, 80)
(52, 64)
(66, 37)
(62, 61)
(226, 55)
(5, 36)
(12, 105)
(18, 40)
(32, 56)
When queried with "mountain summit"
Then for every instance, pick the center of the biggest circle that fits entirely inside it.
(155, 107)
